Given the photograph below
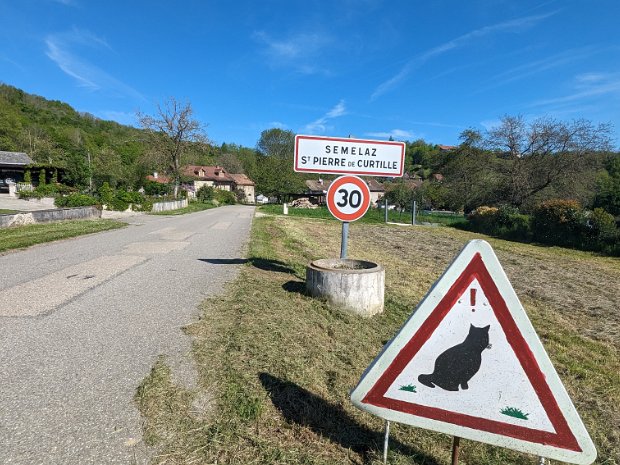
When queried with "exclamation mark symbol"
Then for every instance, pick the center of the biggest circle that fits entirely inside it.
(472, 298)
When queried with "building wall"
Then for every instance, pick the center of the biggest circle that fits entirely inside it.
(249, 193)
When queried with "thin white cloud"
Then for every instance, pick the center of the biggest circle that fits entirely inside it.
(298, 51)
(538, 66)
(587, 86)
(398, 134)
(61, 49)
(320, 125)
(514, 25)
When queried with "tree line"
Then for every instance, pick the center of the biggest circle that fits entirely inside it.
(518, 163)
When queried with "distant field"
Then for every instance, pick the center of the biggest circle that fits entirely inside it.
(275, 366)
(374, 215)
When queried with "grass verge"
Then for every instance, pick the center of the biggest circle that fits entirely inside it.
(4, 211)
(275, 366)
(20, 237)
(193, 207)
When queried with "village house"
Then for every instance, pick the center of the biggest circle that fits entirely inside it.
(12, 168)
(213, 176)
(244, 184)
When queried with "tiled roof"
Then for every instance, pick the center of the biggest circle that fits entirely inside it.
(160, 179)
(241, 180)
(374, 185)
(318, 185)
(14, 158)
(207, 173)
(446, 147)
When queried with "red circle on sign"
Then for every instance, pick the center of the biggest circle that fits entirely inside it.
(349, 211)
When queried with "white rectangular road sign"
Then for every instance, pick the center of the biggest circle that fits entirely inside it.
(316, 154)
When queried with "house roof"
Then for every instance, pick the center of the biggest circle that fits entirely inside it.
(318, 185)
(160, 179)
(14, 158)
(447, 147)
(207, 173)
(374, 185)
(241, 180)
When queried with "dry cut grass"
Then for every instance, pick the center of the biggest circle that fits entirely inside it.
(275, 366)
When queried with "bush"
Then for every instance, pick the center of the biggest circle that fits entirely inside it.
(505, 222)
(225, 197)
(123, 199)
(106, 193)
(156, 188)
(482, 219)
(601, 233)
(205, 193)
(559, 222)
(76, 200)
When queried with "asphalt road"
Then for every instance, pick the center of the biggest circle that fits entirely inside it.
(82, 321)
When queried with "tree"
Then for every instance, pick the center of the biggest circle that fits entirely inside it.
(273, 172)
(545, 155)
(173, 130)
(277, 143)
(608, 188)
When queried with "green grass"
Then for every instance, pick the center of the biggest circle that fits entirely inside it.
(514, 412)
(193, 207)
(275, 367)
(20, 237)
(373, 215)
(4, 211)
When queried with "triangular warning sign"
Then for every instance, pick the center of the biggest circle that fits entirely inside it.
(468, 363)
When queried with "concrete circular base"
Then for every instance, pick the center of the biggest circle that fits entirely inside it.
(355, 285)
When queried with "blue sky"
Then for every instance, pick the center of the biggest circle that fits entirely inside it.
(366, 68)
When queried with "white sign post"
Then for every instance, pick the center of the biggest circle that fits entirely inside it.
(316, 154)
(468, 363)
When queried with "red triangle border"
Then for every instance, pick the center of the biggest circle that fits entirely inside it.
(563, 437)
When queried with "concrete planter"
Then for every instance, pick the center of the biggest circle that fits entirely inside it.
(355, 285)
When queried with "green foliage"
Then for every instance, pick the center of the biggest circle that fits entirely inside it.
(42, 177)
(608, 187)
(554, 222)
(225, 197)
(28, 177)
(156, 188)
(205, 193)
(106, 193)
(76, 200)
(558, 222)
(505, 222)
(54, 179)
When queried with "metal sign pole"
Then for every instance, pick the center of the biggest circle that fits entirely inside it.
(455, 450)
(386, 441)
(345, 238)
(385, 209)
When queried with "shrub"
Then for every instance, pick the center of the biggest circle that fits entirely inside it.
(600, 232)
(27, 177)
(559, 222)
(205, 193)
(156, 188)
(225, 197)
(482, 219)
(106, 193)
(505, 222)
(42, 177)
(76, 200)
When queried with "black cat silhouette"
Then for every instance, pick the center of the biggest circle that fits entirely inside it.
(457, 365)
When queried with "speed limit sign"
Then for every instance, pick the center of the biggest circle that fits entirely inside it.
(348, 198)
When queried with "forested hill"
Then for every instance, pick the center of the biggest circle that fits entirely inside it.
(53, 133)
